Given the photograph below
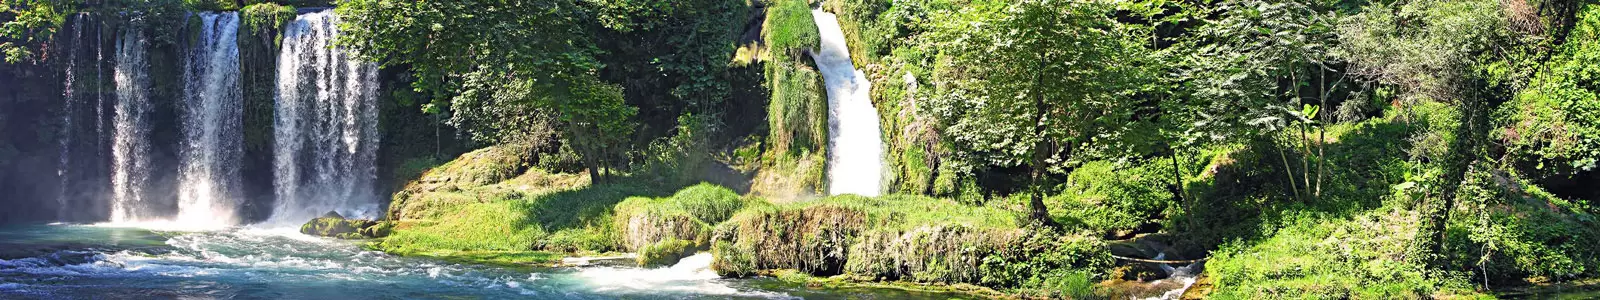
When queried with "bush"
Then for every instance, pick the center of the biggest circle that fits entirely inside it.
(1554, 123)
(1102, 197)
(1512, 233)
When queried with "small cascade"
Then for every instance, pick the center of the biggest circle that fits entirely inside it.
(212, 144)
(131, 163)
(1178, 279)
(855, 145)
(325, 125)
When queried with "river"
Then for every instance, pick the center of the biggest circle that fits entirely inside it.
(96, 261)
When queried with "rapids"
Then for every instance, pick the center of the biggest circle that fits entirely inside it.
(92, 261)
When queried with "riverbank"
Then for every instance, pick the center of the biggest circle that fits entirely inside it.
(480, 209)
(475, 211)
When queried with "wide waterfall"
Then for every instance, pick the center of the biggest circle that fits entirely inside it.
(211, 149)
(131, 163)
(326, 130)
(855, 146)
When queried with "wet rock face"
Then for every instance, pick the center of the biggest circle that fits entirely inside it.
(334, 225)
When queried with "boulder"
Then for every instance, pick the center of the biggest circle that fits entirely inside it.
(334, 225)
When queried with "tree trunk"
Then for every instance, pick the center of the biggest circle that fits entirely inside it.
(1040, 148)
(1464, 152)
(1305, 158)
(1288, 172)
(1183, 197)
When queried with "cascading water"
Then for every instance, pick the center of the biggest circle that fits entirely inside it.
(212, 142)
(131, 164)
(69, 107)
(326, 135)
(855, 146)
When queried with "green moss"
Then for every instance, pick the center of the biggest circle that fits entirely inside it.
(797, 110)
(898, 237)
(1516, 233)
(339, 227)
(784, 176)
(210, 5)
(482, 167)
(665, 253)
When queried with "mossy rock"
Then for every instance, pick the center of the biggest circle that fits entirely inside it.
(665, 253)
(687, 215)
(336, 226)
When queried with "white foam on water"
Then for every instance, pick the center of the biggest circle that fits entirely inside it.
(1184, 277)
(692, 275)
(163, 225)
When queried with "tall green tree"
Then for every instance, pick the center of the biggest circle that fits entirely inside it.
(505, 68)
(1255, 69)
(1456, 52)
(1035, 83)
(597, 123)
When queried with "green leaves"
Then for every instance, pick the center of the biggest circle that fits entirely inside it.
(26, 25)
(1555, 122)
(1035, 78)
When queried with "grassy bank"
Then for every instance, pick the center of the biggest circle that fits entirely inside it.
(478, 209)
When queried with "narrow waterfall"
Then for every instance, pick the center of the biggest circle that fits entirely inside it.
(69, 103)
(855, 146)
(131, 164)
(212, 144)
(325, 126)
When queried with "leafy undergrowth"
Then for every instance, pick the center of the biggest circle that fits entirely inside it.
(1360, 238)
(1319, 255)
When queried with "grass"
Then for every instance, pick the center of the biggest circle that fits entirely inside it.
(686, 215)
(1319, 255)
(790, 28)
(1357, 240)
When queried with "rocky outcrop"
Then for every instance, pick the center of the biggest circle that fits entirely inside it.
(336, 226)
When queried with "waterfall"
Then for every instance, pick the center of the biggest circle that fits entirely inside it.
(855, 148)
(325, 126)
(131, 139)
(69, 107)
(212, 144)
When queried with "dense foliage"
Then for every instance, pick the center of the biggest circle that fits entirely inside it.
(1308, 148)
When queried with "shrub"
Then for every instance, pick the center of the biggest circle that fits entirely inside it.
(1554, 123)
(1510, 232)
(1104, 197)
